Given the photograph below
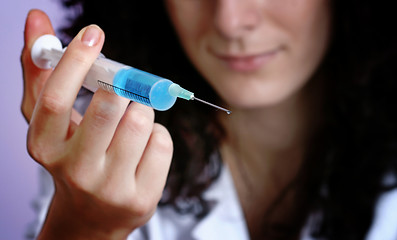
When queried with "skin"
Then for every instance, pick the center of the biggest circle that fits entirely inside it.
(290, 36)
(258, 55)
(103, 190)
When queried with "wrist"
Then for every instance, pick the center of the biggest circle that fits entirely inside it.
(65, 222)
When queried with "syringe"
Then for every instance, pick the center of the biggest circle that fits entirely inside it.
(134, 84)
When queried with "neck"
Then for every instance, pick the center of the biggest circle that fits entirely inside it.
(266, 136)
(266, 142)
(264, 149)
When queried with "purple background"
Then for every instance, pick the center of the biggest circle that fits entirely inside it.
(18, 172)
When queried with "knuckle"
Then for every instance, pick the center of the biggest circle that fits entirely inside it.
(53, 104)
(162, 139)
(142, 206)
(103, 112)
(26, 109)
(39, 151)
(35, 150)
(139, 121)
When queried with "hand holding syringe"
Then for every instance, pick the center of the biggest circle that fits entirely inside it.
(115, 159)
(125, 81)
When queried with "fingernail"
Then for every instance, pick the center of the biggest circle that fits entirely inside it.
(91, 35)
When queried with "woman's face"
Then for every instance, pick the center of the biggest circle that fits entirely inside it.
(255, 53)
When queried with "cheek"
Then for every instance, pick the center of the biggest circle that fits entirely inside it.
(308, 28)
(190, 20)
(306, 25)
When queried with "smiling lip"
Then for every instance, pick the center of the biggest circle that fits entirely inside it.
(247, 63)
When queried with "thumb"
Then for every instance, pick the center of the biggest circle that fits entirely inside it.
(37, 24)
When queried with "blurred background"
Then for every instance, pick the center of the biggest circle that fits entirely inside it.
(18, 172)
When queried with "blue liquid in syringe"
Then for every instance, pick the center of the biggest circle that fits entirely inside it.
(143, 87)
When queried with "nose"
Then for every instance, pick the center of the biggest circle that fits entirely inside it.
(234, 18)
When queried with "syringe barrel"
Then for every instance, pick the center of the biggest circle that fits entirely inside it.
(144, 87)
(131, 83)
(123, 80)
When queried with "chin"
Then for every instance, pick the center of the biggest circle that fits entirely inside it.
(259, 95)
(255, 100)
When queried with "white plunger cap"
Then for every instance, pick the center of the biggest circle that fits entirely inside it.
(44, 42)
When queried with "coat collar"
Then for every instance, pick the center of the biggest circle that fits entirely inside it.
(226, 219)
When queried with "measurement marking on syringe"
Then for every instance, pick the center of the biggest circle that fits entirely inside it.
(106, 86)
(133, 96)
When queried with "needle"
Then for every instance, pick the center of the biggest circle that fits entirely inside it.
(212, 105)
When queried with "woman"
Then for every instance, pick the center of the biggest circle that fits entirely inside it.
(309, 144)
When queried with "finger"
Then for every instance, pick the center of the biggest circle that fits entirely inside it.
(75, 120)
(37, 24)
(52, 113)
(130, 139)
(153, 168)
(99, 123)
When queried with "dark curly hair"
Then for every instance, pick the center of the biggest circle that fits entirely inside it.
(352, 153)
